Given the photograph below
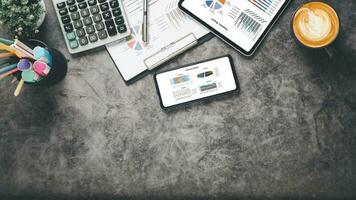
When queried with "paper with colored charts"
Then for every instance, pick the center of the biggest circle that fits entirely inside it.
(242, 21)
(167, 24)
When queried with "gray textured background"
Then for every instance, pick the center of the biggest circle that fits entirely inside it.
(289, 134)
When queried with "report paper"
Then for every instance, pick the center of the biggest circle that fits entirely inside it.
(166, 25)
(242, 21)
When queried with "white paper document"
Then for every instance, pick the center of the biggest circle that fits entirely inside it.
(170, 32)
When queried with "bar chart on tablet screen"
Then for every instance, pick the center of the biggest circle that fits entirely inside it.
(267, 6)
(248, 25)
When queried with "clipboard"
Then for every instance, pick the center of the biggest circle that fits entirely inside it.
(171, 32)
(166, 54)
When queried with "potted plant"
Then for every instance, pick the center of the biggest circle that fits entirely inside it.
(22, 18)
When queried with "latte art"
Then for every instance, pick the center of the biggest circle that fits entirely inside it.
(316, 24)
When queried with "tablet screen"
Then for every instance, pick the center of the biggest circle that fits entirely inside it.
(241, 21)
(196, 82)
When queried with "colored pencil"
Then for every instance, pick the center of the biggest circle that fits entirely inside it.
(8, 73)
(19, 87)
(6, 41)
(6, 55)
(7, 68)
(11, 50)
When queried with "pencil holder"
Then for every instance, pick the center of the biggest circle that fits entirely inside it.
(58, 65)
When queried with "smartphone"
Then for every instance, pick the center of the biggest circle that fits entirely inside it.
(197, 81)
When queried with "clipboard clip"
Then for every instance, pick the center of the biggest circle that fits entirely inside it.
(170, 51)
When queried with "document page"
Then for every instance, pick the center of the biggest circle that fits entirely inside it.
(242, 21)
(167, 24)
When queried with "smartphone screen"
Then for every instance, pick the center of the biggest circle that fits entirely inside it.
(197, 81)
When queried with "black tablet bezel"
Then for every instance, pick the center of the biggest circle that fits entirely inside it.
(227, 40)
(204, 98)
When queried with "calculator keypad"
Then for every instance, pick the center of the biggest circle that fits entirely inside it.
(91, 22)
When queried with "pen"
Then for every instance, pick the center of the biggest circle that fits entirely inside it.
(145, 22)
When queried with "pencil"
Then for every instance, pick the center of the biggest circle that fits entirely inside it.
(6, 41)
(19, 87)
(7, 68)
(8, 73)
(6, 55)
(11, 50)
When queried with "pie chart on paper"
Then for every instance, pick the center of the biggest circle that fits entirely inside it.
(215, 4)
(132, 41)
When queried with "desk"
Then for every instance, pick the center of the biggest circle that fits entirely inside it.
(290, 133)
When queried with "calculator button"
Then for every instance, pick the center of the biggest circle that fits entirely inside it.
(61, 5)
(85, 12)
(116, 12)
(83, 41)
(114, 4)
(75, 16)
(119, 20)
(63, 11)
(122, 28)
(80, 32)
(99, 26)
(110, 26)
(68, 28)
(70, 2)
(97, 18)
(104, 7)
(101, 1)
(73, 44)
(90, 29)
(102, 34)
(93, 37)
(82, 5)
(65, 19)
(87, 21)
(94, 10)
(91, 2)
(71, 36)
(73, 8)
(107, 15)
(78, 24)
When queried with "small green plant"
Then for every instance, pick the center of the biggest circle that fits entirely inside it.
(20, 17)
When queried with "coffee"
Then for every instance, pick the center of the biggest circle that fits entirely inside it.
(316, 24)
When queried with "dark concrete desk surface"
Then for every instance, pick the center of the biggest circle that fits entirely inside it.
(290, 133)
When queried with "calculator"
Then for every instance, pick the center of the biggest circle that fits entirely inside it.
(87, 24)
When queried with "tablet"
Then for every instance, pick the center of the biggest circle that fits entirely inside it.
(241, 23)
(196, 81)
